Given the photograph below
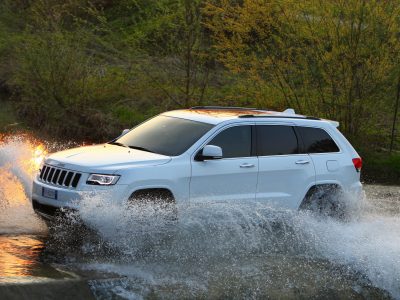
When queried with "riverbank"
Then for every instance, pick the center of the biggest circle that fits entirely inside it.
(50, 289)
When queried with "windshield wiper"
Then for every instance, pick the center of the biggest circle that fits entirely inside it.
(141, 148)
(117, 144)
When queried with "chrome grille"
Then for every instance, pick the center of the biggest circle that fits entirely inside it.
(60, 177)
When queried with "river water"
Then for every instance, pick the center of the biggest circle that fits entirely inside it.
(212, 251)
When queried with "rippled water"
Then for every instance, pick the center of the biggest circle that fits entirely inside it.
(223, 250)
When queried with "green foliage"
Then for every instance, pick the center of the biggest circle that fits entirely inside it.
(8, 119)
(381, 167)
(61, 84)
(89, 68)
(329, 58)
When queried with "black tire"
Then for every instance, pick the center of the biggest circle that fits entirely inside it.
(326, 200)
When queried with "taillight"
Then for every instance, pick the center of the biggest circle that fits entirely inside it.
(357, 162)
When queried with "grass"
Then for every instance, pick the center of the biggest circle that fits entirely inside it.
(381, 167)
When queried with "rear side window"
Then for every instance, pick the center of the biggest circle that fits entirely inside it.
(276, 140)
(234, 141)
(317, 140)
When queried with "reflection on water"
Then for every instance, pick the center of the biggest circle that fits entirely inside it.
(20, 260)
(19, 255)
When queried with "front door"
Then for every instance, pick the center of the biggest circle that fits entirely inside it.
(234, 177)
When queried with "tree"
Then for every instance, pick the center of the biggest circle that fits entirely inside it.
(63, 87)
(330, 58)
(171, 47)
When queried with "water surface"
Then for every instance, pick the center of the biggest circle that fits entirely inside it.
(213, 250)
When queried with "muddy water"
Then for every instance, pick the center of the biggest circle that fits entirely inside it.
(212, 251)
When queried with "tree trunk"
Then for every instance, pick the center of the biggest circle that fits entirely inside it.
(189, 47)
(396, 108)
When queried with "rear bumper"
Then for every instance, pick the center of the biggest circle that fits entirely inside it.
(356, 191)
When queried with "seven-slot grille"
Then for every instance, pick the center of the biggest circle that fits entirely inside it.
(59, 177)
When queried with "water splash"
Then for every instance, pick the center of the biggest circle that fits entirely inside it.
(226, 239)
(213, 249)
(19, 159)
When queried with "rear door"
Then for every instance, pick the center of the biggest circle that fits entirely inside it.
(331, 165)
(285, 174)
(234, 177)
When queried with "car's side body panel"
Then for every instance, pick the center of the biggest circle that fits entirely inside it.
(283, 181)
(174, 176)
(231, 179)
(226, 179)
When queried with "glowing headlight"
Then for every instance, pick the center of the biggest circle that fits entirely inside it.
(38, 156)
(99, 179)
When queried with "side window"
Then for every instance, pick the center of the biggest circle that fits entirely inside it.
(276, 140)
(234, 141)
(317, 140)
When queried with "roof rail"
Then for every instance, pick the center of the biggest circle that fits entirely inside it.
(281, 116)
(225, 107)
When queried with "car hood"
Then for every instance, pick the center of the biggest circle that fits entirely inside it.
(105, 157)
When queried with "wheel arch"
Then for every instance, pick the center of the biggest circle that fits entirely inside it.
(158, 192)
(319, 187)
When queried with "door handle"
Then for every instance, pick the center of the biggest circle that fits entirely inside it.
(247, 165)
(302, 162)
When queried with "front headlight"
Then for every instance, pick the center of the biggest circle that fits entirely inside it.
(100, 179)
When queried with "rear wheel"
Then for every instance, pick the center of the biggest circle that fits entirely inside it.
(326, 200)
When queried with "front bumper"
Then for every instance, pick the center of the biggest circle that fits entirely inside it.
(49, 212)
(69, 199)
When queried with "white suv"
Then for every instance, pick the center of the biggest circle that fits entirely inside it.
(209, 153)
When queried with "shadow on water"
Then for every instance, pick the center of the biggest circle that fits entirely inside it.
(222, 250)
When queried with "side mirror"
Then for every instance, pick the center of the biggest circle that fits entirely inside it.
(210, 152)
(125, 131)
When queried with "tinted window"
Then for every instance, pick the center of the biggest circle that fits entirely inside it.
(276, 140)
(317, 140)
(165, 135)
(234, 141)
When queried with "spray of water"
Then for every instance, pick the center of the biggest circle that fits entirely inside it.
(19, 159)
(216, 249)
(227, 239)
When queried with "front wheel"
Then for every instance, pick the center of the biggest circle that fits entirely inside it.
(155, 202)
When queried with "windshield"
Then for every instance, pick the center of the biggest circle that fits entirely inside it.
(164, 135)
